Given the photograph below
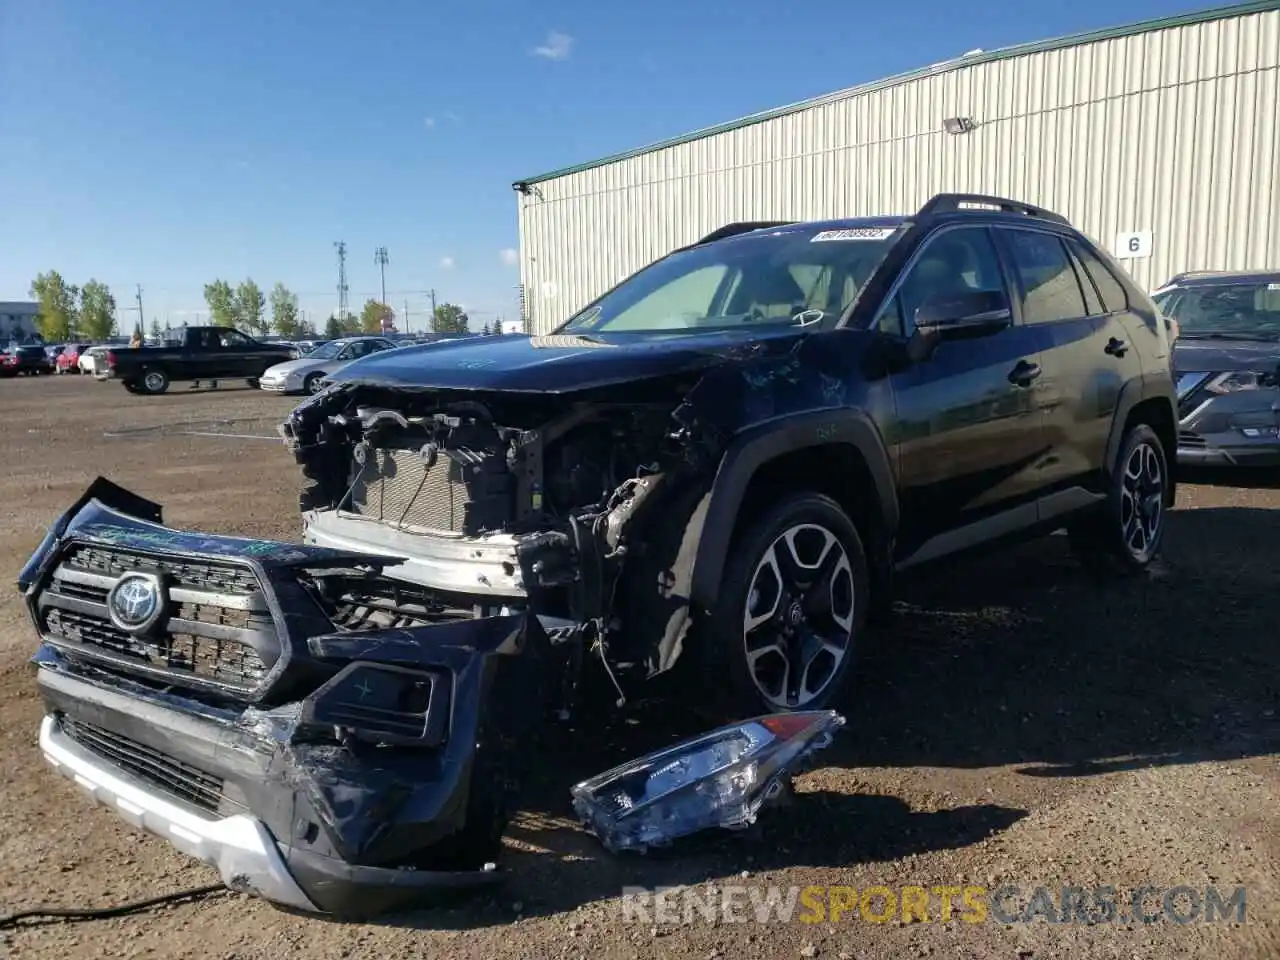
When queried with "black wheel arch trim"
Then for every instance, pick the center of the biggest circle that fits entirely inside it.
(1149, 386)
(758, 445)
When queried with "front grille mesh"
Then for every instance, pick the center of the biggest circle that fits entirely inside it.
(218, 578)
(167, 774)
(207, 637)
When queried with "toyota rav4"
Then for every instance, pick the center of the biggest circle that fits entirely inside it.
(723, 462)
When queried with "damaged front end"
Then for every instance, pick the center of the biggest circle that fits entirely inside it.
(328, 738)
(504, 502)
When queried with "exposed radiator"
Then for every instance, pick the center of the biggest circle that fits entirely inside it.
(456, 491)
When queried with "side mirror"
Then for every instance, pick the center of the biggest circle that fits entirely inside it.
(956, 316)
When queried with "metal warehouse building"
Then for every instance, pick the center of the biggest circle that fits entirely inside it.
(1160, 140)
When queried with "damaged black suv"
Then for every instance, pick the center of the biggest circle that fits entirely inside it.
(724, 461)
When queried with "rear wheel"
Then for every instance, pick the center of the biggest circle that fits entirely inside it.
(1128, 533)
(793, 602)
(154, 381)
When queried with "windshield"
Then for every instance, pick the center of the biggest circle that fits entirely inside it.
(799, 278)
(326, 351)
(1228, 309)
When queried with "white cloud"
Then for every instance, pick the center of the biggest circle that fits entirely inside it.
(451, 116)
(509, 257)
(447, 263)
(557, 46)
(429, 122)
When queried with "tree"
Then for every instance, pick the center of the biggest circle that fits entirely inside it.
(250, 307)
(284, 311)
(333, 328)
(97, 311)
(58, 306)
(484, 331)
(449, 318)
(222, 304)
(377, 317)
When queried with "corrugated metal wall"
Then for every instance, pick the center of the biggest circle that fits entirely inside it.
(1174, 131)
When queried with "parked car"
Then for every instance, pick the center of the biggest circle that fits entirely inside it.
(302, 347)
(93, 358)
(1227, 361)
(191, 353)
(724, 461)
(69, 358)
(307, 373)
(27, 359)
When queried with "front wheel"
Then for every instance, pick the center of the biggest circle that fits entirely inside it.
(793, 602)
(1127, 534)
(313, 383)
(155, 381)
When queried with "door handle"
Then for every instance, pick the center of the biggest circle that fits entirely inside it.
(1024, 373)
(1116, 347)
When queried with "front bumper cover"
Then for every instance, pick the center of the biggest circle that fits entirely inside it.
(301, 800)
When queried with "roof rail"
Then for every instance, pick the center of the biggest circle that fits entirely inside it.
(733, 229)
(950, 202)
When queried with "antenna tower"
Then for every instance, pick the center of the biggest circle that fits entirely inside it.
(341, 247)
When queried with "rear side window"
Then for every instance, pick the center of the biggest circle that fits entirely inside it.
(1111, 290)
(1050, 289)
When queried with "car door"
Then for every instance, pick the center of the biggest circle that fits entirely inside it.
(1085, 358)
(969, 433)
(240, 356)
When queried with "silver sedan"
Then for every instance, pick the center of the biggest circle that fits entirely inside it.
(307, 373)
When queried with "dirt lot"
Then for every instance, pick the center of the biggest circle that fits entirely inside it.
(1022, 724)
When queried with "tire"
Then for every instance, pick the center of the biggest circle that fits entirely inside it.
(312, 383)
(154, 380)
(757, 666)
(1126, 535)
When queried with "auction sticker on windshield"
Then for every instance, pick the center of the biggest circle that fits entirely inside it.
(857, 233)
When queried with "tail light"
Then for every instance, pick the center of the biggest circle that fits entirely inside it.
(111, 358)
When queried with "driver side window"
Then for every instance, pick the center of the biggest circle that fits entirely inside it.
(956, 261)
(232, 339)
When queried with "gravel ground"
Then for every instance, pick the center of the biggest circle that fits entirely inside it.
(1022, 723)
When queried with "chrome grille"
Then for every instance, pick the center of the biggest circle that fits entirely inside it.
(216, 628)
(179, 780)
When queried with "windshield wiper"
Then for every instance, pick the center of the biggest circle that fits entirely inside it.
(1228, 335)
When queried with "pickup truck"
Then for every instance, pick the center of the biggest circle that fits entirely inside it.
(192, 353)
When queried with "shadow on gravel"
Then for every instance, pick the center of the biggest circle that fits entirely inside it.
(1030, 659)
(1243, 478)
(560, 868)
(1024, 658)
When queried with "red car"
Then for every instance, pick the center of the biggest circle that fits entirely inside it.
(69, 359)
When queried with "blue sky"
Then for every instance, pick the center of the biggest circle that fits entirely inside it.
(168, 143)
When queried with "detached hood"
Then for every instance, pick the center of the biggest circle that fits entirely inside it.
(562, 363)
(1224, 356)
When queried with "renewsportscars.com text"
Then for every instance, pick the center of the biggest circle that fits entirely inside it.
(744, 903)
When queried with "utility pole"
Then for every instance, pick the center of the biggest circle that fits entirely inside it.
(142, 317)
(406, 315)
(380, 258)
(432, 322)
(341, 247)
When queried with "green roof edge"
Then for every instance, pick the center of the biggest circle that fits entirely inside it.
(946, 66)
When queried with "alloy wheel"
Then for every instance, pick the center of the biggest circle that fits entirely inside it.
(798, 619)
(1142, 501)
(153, 381)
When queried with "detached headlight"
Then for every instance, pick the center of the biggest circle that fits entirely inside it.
(720, 779)
(1240, 380)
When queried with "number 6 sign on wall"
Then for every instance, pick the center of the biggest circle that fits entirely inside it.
(1133, 246)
